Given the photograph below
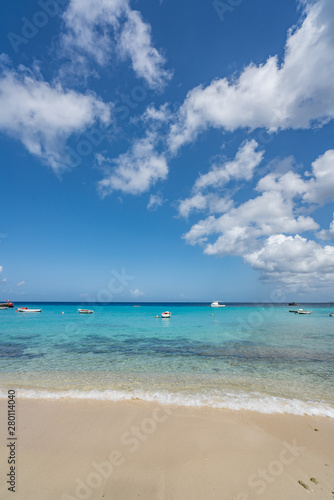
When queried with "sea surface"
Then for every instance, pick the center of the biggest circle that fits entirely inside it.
(254, 357)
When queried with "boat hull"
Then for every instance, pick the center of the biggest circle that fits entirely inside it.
(25, 310)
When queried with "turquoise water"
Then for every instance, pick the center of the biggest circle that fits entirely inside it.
(258, 357)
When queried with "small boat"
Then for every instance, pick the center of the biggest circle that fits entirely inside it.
(3, 307)
(166, 314)
(216, 304)
(293, 304)
(6, 304)
(331, 314)
(85, 311)
(301, 311)
(28, 310)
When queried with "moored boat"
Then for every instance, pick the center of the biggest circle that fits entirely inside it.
(166, 314)
(85, 311)
(28, 310)
(6, 305)
(301, 311)
(216, 304)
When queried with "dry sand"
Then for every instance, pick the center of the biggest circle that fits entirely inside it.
(76, 449)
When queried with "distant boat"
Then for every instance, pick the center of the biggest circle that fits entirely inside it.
(85, 311)
(301, 311)
(166, 314)
(6, 305)
(293, 304)
(216, 304)
(27, 310)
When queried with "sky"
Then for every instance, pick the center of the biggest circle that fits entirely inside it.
(167, 151)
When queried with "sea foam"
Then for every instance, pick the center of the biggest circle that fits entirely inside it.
(215, 399)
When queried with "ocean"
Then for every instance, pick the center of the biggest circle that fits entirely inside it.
(255, 357)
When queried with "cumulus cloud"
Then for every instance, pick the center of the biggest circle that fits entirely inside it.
(318, 188)
(160, 115)
(155, 201)
(240, 227)
(240, 168)
(297, 93)
(95, 30)
(135, 171)
(43, 116)
(327, 234)
(265, 230)
(293, 259)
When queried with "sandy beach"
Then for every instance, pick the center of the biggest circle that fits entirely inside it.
(84, 449)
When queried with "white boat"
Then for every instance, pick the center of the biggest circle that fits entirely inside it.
(27, 310)
(85, 311)
(166, 314)
(3, 307)
(301, 311)
(331, 314)
(216, 304)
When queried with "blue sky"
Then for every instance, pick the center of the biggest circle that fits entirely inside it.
(153, 150)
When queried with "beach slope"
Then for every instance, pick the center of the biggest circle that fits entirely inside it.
(85, 449)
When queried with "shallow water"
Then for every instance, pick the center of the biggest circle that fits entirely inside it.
(258, 357)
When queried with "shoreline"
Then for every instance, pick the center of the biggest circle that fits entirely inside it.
(225, 400)
(86, 449)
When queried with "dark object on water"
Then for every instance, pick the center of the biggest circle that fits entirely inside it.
(303, 484)
(293, 304)
(7, 304)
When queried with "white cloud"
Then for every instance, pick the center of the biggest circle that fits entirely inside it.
(99, 29)
(135, 42)
(240, 227)
(318, 188)
(161, 115)
(155, 201)
(265, 231)
(197, 202)
(293, 260)
(43, 116)
(240, 168)
(200, 202)
(20, 283)
(327, 234)
(135, 171)
(137, 293)
(296, 93)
